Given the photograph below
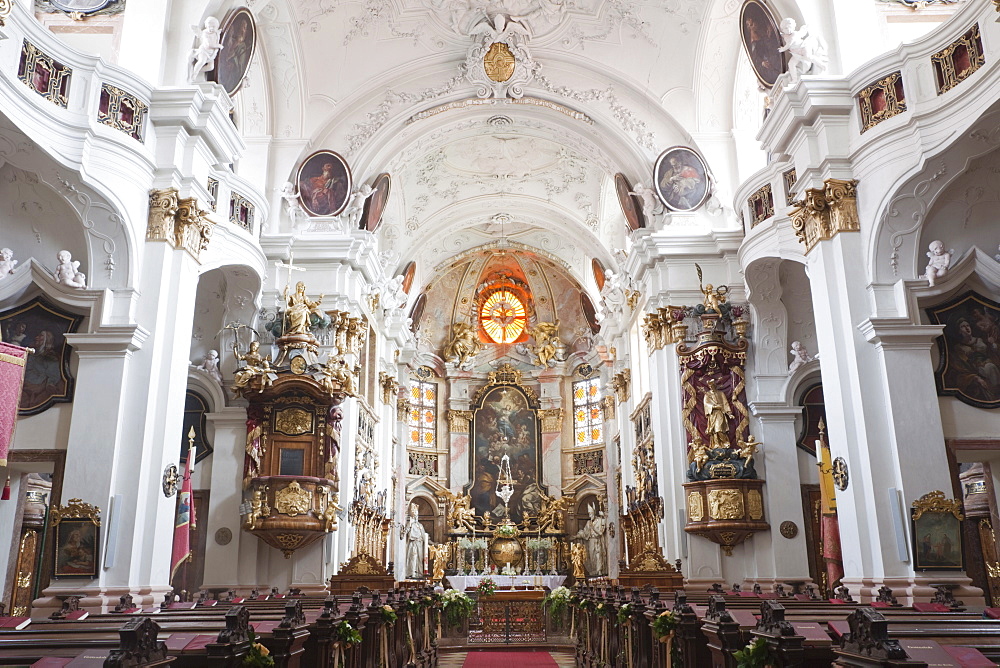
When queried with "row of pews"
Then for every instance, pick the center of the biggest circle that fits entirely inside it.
(710, 628)
(363, 630)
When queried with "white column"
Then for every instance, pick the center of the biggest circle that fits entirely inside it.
(229, 434)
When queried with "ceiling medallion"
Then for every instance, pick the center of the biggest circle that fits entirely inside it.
(499, 62)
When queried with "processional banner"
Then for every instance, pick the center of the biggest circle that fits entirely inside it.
(12, 361)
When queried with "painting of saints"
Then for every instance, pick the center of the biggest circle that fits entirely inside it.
(505, 425)
(324, 184)
(239, 38)
(970, 350)
(681, 179)
(76, 549)
(762, 42)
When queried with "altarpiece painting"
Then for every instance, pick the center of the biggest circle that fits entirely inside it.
(506, 423)
(969, 366)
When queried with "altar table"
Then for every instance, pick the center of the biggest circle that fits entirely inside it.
(463, 582)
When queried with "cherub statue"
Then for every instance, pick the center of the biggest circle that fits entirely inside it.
(714, 297)
(439, 555)
(337, 378)
(209, 45)
(254, 364)
(258, 507)
(549, 348)
(210, 365)
(938, 261)
(464, 344)
(699, 453)
(356, 206)
(807, 52)
(290, 196)
(394, 296)
(800, 356)
(7, 263)
(68, 271)
(651, 205)
(747, 449)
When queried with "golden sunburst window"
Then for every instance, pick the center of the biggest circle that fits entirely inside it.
(503, 316)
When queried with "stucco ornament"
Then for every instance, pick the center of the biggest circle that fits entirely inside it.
(499, 63)
(68, 271)
(806, 51)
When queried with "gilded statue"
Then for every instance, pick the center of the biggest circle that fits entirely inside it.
(258, 508)
(717, 410)
(748, 449)
(439, 554)
(578, 555)
(551, 514)
(330, 516)
(298, 308)
(461, 517)
(254, 364)
(337, 378)
(699, 453)
(715, 297)
(464, 344)
(549, 347)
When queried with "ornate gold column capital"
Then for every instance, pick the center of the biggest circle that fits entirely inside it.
(621, 383)
(179, 222)
(822, 213)
(162, 214)
(458, 421)
(608, 407)
(402, 407)
(551, 419)
(389, 385)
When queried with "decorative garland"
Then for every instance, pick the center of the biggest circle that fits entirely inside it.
(625, 614)
(389, 615)
(258, 656)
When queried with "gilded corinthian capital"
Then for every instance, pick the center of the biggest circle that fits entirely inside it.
(179, 222)
(822, 213)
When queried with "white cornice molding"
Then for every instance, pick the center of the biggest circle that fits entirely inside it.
(899, 333)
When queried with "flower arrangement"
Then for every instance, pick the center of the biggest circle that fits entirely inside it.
(539, 543)
(457, 606)
(664, 624)
(487, 587)
(506, 530)
(624, 613)
(389, 615)
(557, 601)
(603, 609)
(347, 635)
(464, 544)
(258, 656)
(754, 655)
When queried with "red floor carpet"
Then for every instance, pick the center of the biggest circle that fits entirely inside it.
(509, 660)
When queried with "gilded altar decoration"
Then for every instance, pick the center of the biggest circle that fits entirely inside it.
(957, 61)
(578, 555)
(178, 221)
(725, 504)
(439, 555)
(881, 100)
(293, 421)
(463, 346)
(292, 500)
(551, 419)
(548, 348)
(696, 509)
(499, 62)
(44, 75)
(460, 515)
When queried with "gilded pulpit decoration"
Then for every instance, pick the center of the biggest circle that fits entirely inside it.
(292, 500)
(721, 451)
(293, 421)
(458, 421)
(499, 62)
(178, 221)
(822, 213)
(881, 100)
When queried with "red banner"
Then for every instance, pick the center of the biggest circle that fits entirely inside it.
(12, 361)
(185, 519)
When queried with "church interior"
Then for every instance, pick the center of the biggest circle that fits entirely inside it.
(383, 333)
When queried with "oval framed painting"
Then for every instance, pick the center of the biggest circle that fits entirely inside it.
(324, 183)
(239, 41)
(599, 274)
(681, 179)
(371, 217)
(762, 41)
(408, 272)
(417, 312)
(630, 204)
(589, 312)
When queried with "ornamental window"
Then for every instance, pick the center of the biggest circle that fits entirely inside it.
(588, 418)
(503, 316)
(422, 420)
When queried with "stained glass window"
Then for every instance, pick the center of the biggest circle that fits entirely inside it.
(503, 316)
(422, 420)
(588, 418)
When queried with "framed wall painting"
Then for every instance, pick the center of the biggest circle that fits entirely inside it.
(239, 40)
(969, 361)
(936, 524)
(762, 41)
(408, 273)
(77, 538)
(631, 206)
(47, 376)
(600, 276)
(681, 179)
(371, 217)
(324, 183)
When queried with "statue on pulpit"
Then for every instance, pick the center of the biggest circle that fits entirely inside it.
(299, 309)
(717, 410)
(416, 542)
(594, 536)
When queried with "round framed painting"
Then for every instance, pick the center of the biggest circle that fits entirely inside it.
(630, 204)
(239, 40)
(762, 41)
(375, 204)
(600, 275)
(417, 311)
(681, 179)
(324, 183)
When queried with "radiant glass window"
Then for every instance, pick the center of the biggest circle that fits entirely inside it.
(588, 418)
(422, 420)
(503, 316)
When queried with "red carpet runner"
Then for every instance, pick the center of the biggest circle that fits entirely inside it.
(509, 659)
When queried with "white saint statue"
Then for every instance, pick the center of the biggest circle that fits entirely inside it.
(416, 543)
(594, 536)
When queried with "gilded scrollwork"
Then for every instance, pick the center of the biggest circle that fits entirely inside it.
(696, 507)
(725, 504)
(75, 509)
(937, 502)
(293, 500)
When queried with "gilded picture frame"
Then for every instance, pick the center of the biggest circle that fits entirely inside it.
(936, 531)
(324, 182)
(681, 179)
(77, 539)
